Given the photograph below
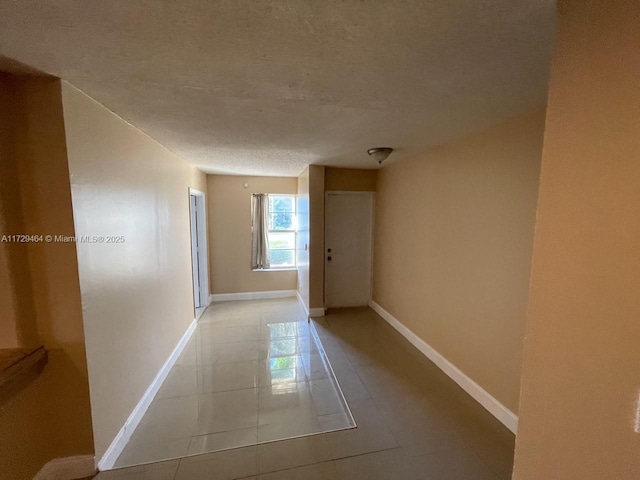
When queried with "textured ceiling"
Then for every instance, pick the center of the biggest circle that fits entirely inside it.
(268, 87)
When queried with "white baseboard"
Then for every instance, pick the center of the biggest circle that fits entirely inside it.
(310, 312)
(108, 460)
(68, 468)
(497, 409)
(225, 297)
(304, 306)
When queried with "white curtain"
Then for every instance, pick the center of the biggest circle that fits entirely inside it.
(260, 230)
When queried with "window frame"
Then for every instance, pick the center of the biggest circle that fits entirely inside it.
(293, 231)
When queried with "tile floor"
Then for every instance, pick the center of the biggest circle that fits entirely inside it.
(413, 421)
(253, 372)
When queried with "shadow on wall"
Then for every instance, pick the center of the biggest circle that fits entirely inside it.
(49, 416)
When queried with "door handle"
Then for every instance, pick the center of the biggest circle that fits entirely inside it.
(328, 259)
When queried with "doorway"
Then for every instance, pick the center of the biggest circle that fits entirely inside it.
(199, 251)
(348, 247)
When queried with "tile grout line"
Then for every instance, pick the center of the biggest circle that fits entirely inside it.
(442, 414)
(332, 460)
(355, 370)
(175, 474)
(364, 384)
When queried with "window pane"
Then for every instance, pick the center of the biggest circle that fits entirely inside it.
(282, 240)
(281, 204)
(281, 221)
(282, 258)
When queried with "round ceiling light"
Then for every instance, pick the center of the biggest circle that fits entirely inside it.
(380, 154)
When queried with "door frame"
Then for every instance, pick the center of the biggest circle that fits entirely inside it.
(370, 194)
(203, 257)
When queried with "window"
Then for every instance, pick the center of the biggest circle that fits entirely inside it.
(282, 231)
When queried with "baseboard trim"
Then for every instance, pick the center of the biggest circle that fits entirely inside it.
(497, 409)
(225, 297)
(108, 460)
(310, 312)
(304, 305)
(69, 468)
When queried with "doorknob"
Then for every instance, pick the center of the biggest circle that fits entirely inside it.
(328, 259)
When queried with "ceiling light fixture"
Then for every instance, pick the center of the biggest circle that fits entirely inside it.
(380, 154)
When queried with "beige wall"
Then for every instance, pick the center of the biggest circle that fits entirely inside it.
(229, 214)
(137, 295)
(47, 209)
(453, 240)
(316, 236)
(51, 417)
(8, 317)
(581, 374)
(18, 323)
(11, 222)
(311, 233)
(303, 238)
(48, 419)
(198, 180)
(350, 179)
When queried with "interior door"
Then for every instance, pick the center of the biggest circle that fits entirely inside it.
(348, 245)
(195, 253)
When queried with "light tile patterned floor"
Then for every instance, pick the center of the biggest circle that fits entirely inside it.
(414, 423)
(253, 372)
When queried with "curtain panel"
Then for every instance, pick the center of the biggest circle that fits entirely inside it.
(260, 231)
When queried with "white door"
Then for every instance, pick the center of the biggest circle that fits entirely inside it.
(348, 245)
(198, 249)
(195, 263)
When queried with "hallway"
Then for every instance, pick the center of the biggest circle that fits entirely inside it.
(413, 421)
